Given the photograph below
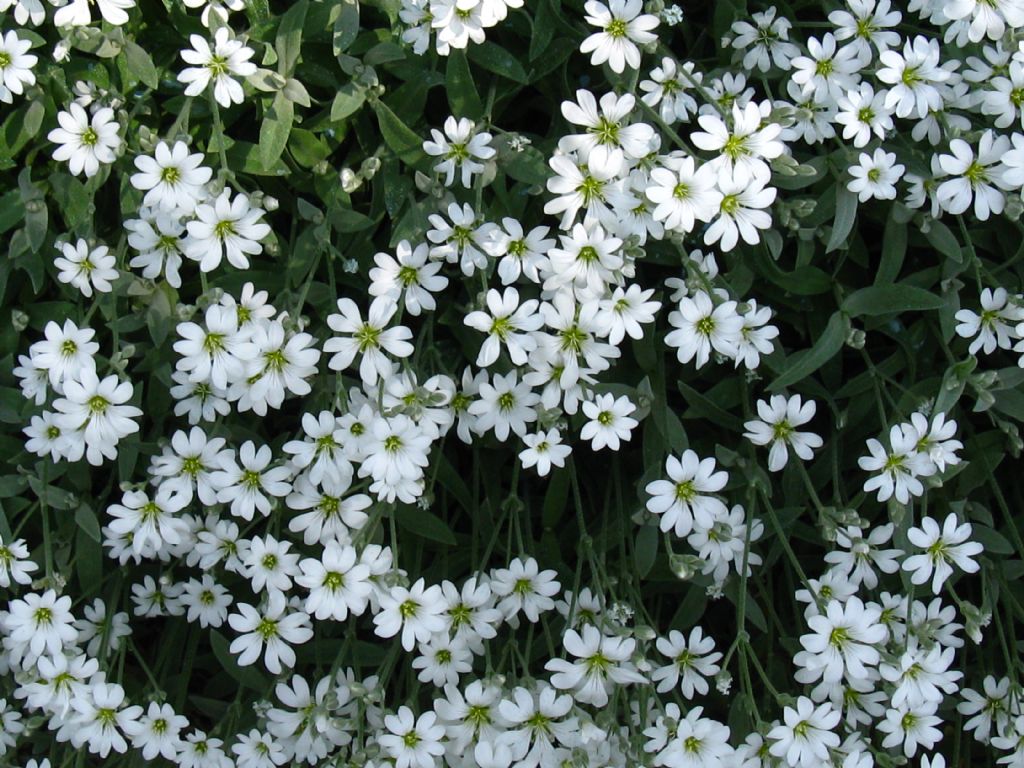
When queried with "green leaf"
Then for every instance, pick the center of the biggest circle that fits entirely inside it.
(528, 165)
(425, 524)
(85, 518)
(462, 94)
(347, 102)
(496, 59)
(846, 214)
(345, 16)
(277, 125)
(247, 676)
(706, 409)
(88, 561)
(646, 549)
(889, 299)
(402, 140)
(452, 482)
(289, 37)
(12, 485)
(544, 23)
(944, 241)
(348, 221)
(51, 495)
(993, 541)
(894, 248)
(140, 64)
(824, 349)
(12, 210)
(36, 224)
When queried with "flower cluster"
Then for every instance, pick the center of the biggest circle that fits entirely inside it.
(511, 448)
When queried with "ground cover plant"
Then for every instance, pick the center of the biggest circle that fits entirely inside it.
(492, 383)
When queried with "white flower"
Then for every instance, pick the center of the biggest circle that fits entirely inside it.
(921, 676)
(975, 177)
(157, 732)
(898, 469)
(765, 41)
(667, 90)
(622, 313)
(940, 548)
(988, 18)
(158, 237)
(219, 353)
(507, 323)
(544, 450)
(285, 361)
(875, 176)
(586, 262)
(408, 273)
(826, 73)
(85, 142)
(622, 28)
(99, 717)
(524, 587)
(864, 554)
(843, 641)
(911, 726)
(779, 419)
(94, 416)
(370, 338)
(15, 566)
(935, 439)
(86, 268)
(65, 352)
(461, 241)
(862, 113)
(912, 77)
(994, 326)
(609, 421)
(258, 750)
(683, 193)
(172, 179)
(270, 631)
(748, 144)
(189, 465)
(505, 405)
(417, 613)
(525, 253)
(609, 143)
(412, 742)
(743, 196)
(25, 11)
(461, 148)
(601, 661)
(337, 583)
(15, 66)
(455, 26)
(396, 452)
(247, 487)
(700, 326)
(692, 660)
(986, 710)
(39, 625)
(324, 452)
(806, 736)
(217, 65)
(206, 601)
(231, 228)
(77, 13)
(868, 25)
(150, 524)
(684, 498)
